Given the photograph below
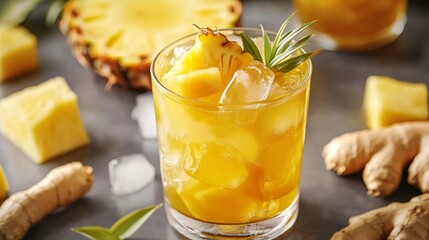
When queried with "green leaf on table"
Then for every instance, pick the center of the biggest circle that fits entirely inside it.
(15, 12)
(96, 233)
(54, 11)
(128, 225)
(122, 229)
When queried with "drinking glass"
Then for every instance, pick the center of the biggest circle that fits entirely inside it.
(230, 170)
(354, 25)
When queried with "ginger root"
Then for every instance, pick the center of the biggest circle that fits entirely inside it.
(396, 221)
(62, 186)
(383, 154)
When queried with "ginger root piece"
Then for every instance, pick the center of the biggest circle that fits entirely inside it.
(62, 186)
(383, 154)
(396, 221)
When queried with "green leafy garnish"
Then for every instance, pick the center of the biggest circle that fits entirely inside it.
(284, 53)
(14, 12)
(122, 229)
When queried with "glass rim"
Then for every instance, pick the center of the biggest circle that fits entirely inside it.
(283, 97)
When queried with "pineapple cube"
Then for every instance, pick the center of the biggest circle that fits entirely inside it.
(388, 101)
(44, 120)
(18, 52)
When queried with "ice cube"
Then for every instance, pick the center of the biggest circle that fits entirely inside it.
(250, 84)
(130, 173)
(144, 114)
(287, 82)
(179, 51)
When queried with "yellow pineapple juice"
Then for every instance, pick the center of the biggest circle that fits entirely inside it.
(354, 24)
(230, 164)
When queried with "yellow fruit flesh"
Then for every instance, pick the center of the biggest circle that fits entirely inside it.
(135, 31)
(388, 101)
(18, 52)
(196, 84)
(229, 166)
(43, 121)
(212, 50)
(234, 182)
(226, 190)
(4, 187)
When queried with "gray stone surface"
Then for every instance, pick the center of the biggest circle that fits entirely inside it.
(327, 201)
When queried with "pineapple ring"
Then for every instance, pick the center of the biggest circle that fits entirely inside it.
(119, 39)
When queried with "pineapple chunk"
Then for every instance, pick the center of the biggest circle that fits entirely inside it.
(197, 84)
(245, 142)
(212, 49)
(388, 101)
(18, 52)
(217, 204)
(209, 161)
(43, 121)
(4, 187)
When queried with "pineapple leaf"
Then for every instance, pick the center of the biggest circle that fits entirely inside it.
(250, 47)
(278, 55)
(54, 11)
(14, 12)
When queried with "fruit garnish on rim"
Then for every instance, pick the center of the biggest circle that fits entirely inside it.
(225, 69)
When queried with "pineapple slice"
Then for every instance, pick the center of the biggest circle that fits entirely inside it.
(119, 39)
(18, 52)
(388, 101)
(44, 121)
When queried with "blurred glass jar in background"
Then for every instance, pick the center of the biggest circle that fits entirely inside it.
(354, 25)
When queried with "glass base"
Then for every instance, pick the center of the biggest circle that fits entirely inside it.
(267, 229)
(362, 43)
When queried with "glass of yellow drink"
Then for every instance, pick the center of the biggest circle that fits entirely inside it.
(229, 168)
(354, 25)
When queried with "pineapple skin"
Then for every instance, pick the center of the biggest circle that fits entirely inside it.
(109, 67)
(18, 52)
(388, 101)
(43, 130)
